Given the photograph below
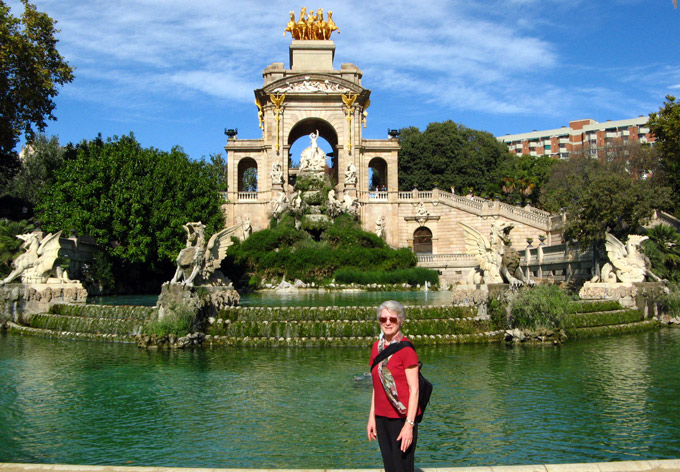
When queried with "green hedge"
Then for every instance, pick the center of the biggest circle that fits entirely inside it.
(338, 313)
(364, 342)
(342, 329)
(640, 326)
(604, 318)
(105, 311)
(589, 307)
(82, 324)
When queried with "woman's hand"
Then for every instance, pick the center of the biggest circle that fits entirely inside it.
(370, 428)
(406, 437)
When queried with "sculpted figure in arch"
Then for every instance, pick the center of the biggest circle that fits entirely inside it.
(313, 159)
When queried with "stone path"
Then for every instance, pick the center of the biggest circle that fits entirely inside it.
(670, 465)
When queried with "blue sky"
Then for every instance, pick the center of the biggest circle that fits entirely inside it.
(178, 72)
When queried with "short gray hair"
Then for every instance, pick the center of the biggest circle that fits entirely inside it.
(393, 307)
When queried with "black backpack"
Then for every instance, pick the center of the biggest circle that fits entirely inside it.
(424, 385)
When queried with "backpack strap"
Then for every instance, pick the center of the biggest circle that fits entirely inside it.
(389, 350)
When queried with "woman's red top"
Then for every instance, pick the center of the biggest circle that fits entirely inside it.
(398, 363)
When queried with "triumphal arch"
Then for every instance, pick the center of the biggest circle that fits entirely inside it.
(312, 99)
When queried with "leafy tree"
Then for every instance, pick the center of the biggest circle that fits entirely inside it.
(665, 124)
(218, 169)
(43, 159)
(133, 201)
(31, 68)
(523, 177)
(598, 199)
(250, 180)
(448, 154)
(10, 245)
(663, 250)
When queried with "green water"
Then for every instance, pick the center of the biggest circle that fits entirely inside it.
(96, 403)
(304, 298)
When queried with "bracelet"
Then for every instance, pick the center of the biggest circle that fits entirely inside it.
(411, 422)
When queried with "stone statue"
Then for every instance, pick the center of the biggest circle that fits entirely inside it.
(280, 205)
(627, 264)
(350, 205)
(313, 159)
(334, 206)
(351, 175)
(247, 228)
(38, 264)
(491, 254)
(277, 174)
(422, 213)
(198, 265)
(380, 227)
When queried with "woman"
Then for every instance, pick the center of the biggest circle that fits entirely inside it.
(394, 403)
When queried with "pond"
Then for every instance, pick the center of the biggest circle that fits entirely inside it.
(304, 298)
(114, 404)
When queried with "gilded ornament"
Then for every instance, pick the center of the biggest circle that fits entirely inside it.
(311, 25)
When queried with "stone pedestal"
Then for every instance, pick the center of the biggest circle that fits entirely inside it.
(204, 301)
(18, 300)
(308, 56)
(624, 293)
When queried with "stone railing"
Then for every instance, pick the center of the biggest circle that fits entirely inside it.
(444, 258)
(247, 196)
(378, 195)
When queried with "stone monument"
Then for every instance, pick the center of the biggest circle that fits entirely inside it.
(198, 282)
(621, 277)
(44, 281)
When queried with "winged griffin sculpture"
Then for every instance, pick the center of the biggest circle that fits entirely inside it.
(626, 262)
(198, 263)
(37, 263)
(497, 260)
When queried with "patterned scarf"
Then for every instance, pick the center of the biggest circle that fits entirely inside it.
(386, 376)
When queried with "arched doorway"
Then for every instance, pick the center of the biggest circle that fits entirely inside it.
(422, 241)
(298, 141)
(377, 175)
(247, 175)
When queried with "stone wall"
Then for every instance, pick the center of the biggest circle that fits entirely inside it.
(19, 300)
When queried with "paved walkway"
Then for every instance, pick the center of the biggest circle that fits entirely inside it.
(671, 465)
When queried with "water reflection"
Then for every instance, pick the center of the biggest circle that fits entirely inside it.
(92, 403)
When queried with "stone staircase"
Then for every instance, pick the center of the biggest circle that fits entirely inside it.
(94, 322)
(604, 318)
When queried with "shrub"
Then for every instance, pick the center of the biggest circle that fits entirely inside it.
(669, 303)
(539, 307)
(179, 321)
(497, 311)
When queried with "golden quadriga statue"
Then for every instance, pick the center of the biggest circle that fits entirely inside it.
(311, 25)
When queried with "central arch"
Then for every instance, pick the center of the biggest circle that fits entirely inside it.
(326, 131)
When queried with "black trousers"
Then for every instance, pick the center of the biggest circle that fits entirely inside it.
(393, 458)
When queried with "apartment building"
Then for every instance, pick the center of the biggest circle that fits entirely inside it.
(580, 136)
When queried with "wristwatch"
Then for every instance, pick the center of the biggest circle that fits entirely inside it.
(411, 422)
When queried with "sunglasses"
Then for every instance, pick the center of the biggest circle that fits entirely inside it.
(383, 319)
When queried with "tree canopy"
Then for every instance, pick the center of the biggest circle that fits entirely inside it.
(448, 154)
(599, 198)
(31, 68)
(133, 201)
(665, 124)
